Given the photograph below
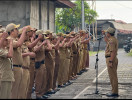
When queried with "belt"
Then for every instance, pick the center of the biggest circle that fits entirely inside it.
(42, 62)
(107, 56)
(17, 66)
(25, 67)
(74, 52)
(32, 58)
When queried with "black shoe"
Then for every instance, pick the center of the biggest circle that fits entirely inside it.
(84, 70)
(39, 97)
(61, 86)
(45, 96)
(56, 90)
(69, 82)
(79, 73)
(33, 89)
(112, 95)
(51, 92)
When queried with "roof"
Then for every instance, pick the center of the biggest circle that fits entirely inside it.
(123, 28)
(120, 21)
(64, 4)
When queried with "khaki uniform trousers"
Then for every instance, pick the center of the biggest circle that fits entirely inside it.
(113, 74)
(87, 60)
(0, 79)
(24, 84)
(70, 68)
(80, 61)
(50, 65)
(32, 78)
(84, 58)
(66, 70)
(56, 70)
(78, 64)
(61, 70)
(5, 90)
(40, 80)
(74, 68)
(18, 73)
(61, 67)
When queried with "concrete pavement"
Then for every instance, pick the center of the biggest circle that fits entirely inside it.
(84, 86)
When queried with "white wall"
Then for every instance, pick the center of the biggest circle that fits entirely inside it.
(34, 14)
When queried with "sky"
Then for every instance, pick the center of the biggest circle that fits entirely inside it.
(118, 10)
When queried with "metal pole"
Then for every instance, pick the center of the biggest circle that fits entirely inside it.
(83, 15)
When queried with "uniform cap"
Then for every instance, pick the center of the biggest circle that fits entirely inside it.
(2, 30)
(48, 32)
(11, 26)
(20, 31)
(110, 30)
(82, 31)
(54, 35)
(39, 32)
(60, 34)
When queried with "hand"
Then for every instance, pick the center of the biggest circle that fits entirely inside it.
(110, 64)
(44, 42)
(39, 37)
(4, 35)
(24, 28)
(90, 37)
(59, 38)
(103, 32)
(10, 40)
(47, 41)
(65, 39)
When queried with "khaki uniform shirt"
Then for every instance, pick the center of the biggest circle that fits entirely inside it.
(26, 60)
(53, 52)
(5, 67)
(40, 55)
(17, 54)
(112, 45)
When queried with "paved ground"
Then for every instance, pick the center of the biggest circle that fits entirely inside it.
(84, 86)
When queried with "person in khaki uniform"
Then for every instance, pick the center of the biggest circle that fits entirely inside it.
(112, 60)
(50, 63)
(74, 51)
(25, 66)
(56, 41)
(40, 68)
(31, 43)
(12, 29)
(67, 67)
(62, 59)
(7, 76)
(85, 41)
(80, 48)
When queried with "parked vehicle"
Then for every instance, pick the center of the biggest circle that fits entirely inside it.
(127, 45)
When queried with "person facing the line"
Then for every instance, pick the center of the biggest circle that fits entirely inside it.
(111, 59)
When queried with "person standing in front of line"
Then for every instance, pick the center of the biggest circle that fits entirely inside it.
(112, 60)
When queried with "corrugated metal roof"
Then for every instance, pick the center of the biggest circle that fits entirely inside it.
(64, 4)
(122, 27)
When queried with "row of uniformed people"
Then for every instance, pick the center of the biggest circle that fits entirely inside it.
(41, 58)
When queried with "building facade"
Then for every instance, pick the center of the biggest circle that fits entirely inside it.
(39, 14)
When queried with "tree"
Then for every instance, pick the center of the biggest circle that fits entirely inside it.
(69, 18)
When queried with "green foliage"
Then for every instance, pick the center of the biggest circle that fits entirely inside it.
(130, 53)
(69, 18)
